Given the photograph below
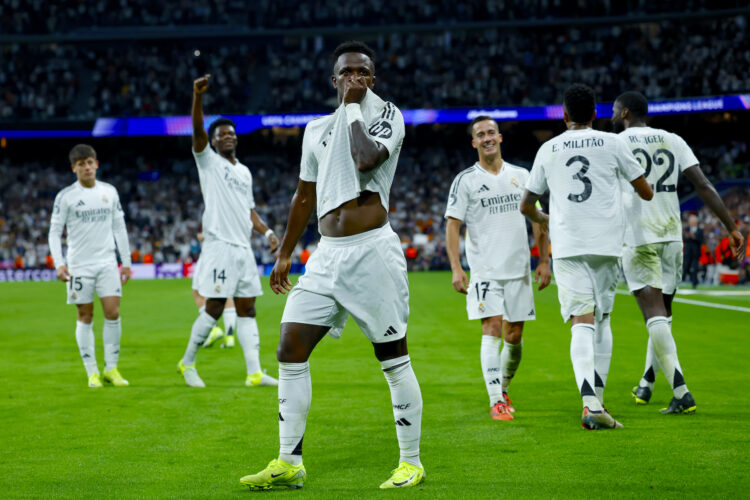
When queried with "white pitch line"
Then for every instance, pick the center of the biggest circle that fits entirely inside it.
(701, 303)
(715, 293)
(712, 304)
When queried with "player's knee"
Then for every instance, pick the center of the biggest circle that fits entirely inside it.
(514, 333)
(112, 313)
(246, 312)
(493, 326)
(85, 317)
(287, 352)
(214, 308)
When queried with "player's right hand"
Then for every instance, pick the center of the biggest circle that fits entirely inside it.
(280, 283)
(200, 85)
(735, 243)
(460, 281)
(63, 274)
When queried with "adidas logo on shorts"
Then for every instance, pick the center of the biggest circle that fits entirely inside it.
(390, 331)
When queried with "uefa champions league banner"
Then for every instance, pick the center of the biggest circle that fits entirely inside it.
(182, 125)
(170, 270)
(138, 272)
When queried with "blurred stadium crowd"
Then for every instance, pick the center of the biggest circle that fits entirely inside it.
(70, 60)
(66, 16)
(449, 68)
(161, 197)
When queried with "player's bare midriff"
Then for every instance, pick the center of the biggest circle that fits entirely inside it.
(355, 216)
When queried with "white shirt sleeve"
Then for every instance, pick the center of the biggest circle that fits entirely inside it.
(458, 199)
(308, 170)
(537, 181)
(57, 223)
(627, 164)
(389, 128)
(685, 156)
(120, 231)
(205, 159)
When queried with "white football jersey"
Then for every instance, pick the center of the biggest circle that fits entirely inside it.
(385, 127)
(664, 155)
(582, 170)
(94, 218)
(497, 245)
(228, 198)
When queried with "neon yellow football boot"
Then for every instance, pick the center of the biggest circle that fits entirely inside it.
(113, 377)
(95, 381)
(405, 475)
(277, 474)
(215, 335)
(260, 378)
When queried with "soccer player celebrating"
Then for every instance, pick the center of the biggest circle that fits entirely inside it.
(348, 162)
(581, 168)
(227, 265)
(486, 197)
(93, 216)
(652, 257)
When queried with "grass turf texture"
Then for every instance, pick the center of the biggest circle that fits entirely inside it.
(161, 439)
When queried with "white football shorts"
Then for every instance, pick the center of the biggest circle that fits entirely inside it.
(364, 276)
(104, 279)
(196, 276)
(513, 299)
(226, 270)
(586, 284)
(658, 265)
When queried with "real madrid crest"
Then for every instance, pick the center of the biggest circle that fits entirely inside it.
(481, 307)
(104, 198)
(218, 288)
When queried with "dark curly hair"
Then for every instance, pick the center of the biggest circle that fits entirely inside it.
(635, 102)
(218, 123)
(579, 101)
(353, 46)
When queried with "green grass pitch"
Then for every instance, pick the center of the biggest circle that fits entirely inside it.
(161, 439)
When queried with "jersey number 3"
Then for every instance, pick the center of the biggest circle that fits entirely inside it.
(581, 176)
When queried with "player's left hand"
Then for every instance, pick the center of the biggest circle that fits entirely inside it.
(125, 275)
(355, 89)
(273, 242)
(542, 275)
(735, 242)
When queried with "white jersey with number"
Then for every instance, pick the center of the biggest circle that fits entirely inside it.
(664, 155)
(582, 170)
(497, 245)
(228, 198)
(94, 220)
(385, 125)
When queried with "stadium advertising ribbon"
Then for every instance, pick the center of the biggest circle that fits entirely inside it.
(181, 125)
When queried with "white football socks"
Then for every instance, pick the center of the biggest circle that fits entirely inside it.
(666, 353)
(582, 356)
(247, 334)
(111, 337)
(201, 327)
(652, 366)
(489, 356)
(295, 395)
(230, 320)
(406, 399)
(85, 340)
(602, 356)
(510, 358)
